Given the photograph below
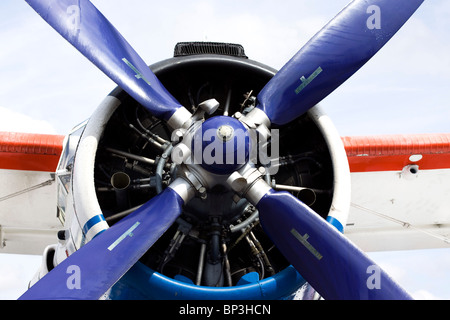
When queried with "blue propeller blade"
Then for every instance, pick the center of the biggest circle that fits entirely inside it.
(90, 271)
(334, 54)
(80, 23)
(334, 266)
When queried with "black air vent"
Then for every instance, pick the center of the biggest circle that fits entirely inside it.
(196, 48)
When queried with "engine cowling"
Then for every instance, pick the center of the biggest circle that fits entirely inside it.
(122, 160)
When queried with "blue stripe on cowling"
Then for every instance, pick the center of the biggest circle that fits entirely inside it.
(92, 222)
(141, 282)
(335, 223)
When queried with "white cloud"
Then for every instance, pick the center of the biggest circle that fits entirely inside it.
(16, 271)
(17, 122)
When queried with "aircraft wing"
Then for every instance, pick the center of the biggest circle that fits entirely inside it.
(400, 191)
(28, 221)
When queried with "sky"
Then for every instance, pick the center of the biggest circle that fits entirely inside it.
(46, 86)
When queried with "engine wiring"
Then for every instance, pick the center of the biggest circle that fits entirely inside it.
(218, 238)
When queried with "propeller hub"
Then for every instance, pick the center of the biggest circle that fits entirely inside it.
(225, 133)
(221, 145)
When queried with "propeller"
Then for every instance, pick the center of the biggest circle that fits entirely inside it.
(80, 23)
(333, 265)
(91, 270)
(334, 54)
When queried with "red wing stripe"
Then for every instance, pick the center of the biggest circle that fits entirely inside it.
(393, 152)
(30, 151)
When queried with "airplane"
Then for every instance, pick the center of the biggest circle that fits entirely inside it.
(322, 181)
